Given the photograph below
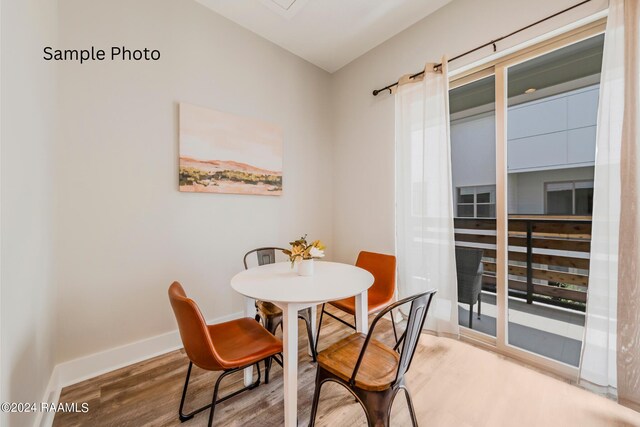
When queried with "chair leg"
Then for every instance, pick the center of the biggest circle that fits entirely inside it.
(310, 337)
(412, 411)
(270, 325)
(278, 361)
(316, 399)
(184, 417)
(267, 368)
(215, 398)
(377, 405)
(181, 415)
(318, 333)
(397, 346)
(470, 316)
(393, 324)
(479, 304)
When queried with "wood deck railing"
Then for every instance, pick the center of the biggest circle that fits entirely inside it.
(537, 244)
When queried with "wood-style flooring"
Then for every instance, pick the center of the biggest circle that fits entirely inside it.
(452, 383)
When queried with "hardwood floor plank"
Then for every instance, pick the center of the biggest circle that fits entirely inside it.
(452, 384)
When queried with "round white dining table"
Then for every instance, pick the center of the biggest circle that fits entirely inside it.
(280, 284)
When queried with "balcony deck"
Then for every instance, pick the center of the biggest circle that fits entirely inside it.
(548, 275)
(550, 331)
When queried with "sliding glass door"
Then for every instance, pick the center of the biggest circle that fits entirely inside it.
(552, 108)
(522, 154)
(473, 169)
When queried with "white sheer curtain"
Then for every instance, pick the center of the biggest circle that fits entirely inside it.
(611, 355)
(424, 208)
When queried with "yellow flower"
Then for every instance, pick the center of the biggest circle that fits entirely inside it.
(318, 244)
(296, 250)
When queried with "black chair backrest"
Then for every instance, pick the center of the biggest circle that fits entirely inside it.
(265, 255)
(415, 322)
(467, 263)
(420, 304)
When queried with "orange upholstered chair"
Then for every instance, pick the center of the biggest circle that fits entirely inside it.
(380, 295)
(228, 347)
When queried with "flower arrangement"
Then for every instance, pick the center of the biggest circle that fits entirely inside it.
(303, 250)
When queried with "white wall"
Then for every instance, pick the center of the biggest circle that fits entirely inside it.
(27, 298)
(364, 124)
(124, 232)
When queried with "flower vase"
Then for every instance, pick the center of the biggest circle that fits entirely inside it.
(305, 267)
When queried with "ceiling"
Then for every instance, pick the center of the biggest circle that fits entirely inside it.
(552, 71)
(327, 33)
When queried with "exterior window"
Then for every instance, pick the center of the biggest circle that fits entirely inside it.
(476, 202)
(569, 198)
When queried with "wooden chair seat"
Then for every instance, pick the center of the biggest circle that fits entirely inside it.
(268, 309)
(371, 371)
(379, 365)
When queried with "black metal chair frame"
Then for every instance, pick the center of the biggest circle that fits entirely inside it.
(185, 417)
(323, 311)
(304, 314)
(377, 404)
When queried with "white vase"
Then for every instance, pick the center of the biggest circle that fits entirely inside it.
(305, 267)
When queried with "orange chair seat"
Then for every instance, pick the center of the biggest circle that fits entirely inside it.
(379, 364)
(376, 302)
(243, 342)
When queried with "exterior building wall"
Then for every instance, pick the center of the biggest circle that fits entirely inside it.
(528, 197)
(551, 139)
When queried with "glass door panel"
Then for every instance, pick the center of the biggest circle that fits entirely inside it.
(473, 165)
(551, 130)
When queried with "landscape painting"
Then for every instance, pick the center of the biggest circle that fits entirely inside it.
(226, 153)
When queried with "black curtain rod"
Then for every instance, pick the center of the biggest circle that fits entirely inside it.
(491, 43)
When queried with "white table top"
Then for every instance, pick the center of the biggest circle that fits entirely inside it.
(280, 283)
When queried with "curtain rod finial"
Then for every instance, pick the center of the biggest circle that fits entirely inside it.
(376, 92)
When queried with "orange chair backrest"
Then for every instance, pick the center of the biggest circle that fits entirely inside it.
(193, 329)
(383, 269)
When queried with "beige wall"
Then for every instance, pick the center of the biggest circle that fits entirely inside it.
(364, 125)
(27, 121)
(123, 231)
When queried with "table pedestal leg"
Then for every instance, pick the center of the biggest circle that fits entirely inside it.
(290, 343)
(361, 312)
(249, 311)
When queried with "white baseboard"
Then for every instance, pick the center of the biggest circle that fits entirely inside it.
(74, 371)
(51, 394)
